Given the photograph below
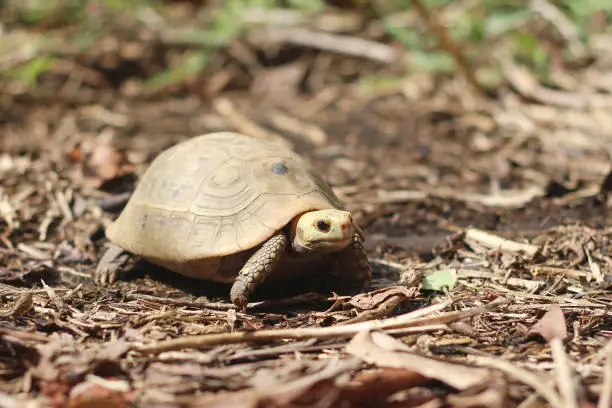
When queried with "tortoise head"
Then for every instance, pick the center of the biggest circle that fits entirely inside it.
(322, 231)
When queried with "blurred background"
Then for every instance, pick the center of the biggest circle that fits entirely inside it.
(428, 118)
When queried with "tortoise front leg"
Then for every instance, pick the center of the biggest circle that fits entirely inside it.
(257, 268)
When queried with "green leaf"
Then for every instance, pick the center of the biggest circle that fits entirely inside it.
(84, 39)
(586, 8)
(227, 23)
(500, 23)
(117, 6)
(409, 38)
(205, 37)
(375, 84)
(29, 73)
(440, 279)
(432, 61)
(191, 65)
(530, 51)
(308, 6)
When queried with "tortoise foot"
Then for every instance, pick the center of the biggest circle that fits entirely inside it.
(107, 270)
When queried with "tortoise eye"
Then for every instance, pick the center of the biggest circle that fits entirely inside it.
(323, 226)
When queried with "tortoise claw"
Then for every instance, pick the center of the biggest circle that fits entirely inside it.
(107, 270)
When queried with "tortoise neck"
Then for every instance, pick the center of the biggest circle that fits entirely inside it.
(291, 231)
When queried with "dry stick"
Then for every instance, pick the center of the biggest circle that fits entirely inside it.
(403, 321)
(564, 374)
(245, 125)
(561, 22)
(528, 85)
(605, 398)
(7, 334)
(13, 290)
(495, 242)
(270, 335)
(340, 44)
(447, 43)
(480, 274)
(22, 305)
(309, 132)
(532, 399)
(180, 302)
(524, 376)
(509, 199)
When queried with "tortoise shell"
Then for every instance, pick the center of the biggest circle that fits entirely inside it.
(216, 195)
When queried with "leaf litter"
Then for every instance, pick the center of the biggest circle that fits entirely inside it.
(504, 202)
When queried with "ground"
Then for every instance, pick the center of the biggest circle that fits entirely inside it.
(486, 219)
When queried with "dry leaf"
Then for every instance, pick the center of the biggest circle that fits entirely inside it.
(306, 389)
(551, 325)
(373, 299)
(379, 382)
(87, 394)
(114, 350)
(384, 351)
(101, 161)
(464, 327)
(490, 398)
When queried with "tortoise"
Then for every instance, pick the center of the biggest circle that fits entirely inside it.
(231, 208)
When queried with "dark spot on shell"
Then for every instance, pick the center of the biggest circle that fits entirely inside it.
(143, 222)
(280, 169)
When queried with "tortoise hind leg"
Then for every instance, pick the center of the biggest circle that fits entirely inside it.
(107, 270)
(257, 268)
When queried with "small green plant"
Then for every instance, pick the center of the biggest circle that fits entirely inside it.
(190, 64)
(440, 280)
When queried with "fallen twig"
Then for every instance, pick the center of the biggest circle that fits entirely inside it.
(22, 305)
(449, 46)
(507, 199)
(307, 131)
(530, 285)
(383, 351)
(480, 237)
(562, 23)
(341, 44)
(180, 302)
(245, 125)
(6, 334)
(404, 321)
(564, 375)
(527, 85)
(605, 399)
(524, 376)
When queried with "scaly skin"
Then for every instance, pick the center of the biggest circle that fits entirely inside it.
(353, 271)
(257, 268)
